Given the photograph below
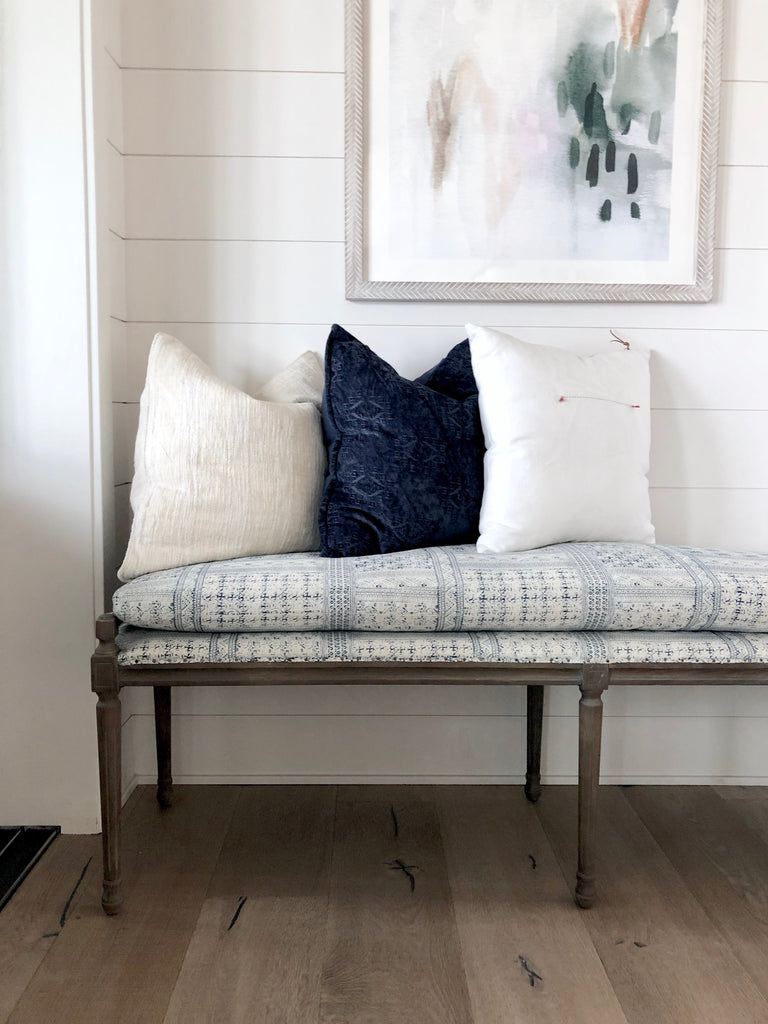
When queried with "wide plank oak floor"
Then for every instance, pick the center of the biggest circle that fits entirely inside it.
(401, 905)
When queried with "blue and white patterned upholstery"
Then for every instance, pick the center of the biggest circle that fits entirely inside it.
(566, 587)
(157, 647)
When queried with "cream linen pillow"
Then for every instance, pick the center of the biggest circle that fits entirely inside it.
(219, 474)
(567, 439)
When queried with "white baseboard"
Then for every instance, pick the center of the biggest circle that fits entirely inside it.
(134, 781)
(444, 780)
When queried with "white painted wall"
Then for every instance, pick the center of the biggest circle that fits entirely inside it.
(49, 447)
(233, 143)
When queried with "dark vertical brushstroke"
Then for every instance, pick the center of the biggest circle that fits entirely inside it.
(609, 60)
(606, 210)
(654, 128)
(574, 154)
(634, 209)
(595, 124)
(632, 174)
(562, 98)
(610, 157)
(593, 166)
(589, 111)
(626, 113)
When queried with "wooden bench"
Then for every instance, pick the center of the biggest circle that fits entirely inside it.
(108, 678)
(724, 599)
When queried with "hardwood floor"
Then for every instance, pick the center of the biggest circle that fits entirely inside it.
(406, 904)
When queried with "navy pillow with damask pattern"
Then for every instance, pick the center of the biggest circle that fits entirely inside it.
(405, 457)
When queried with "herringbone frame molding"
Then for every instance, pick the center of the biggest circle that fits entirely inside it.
(358, 287)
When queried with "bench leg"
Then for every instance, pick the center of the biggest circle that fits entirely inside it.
(104, 683)
(595, 681)
(163, 744)
(108, 725)
(535, 715)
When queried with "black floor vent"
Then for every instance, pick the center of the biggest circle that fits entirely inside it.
(20, 849)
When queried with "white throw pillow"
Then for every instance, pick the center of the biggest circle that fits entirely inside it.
(567, 439)
(218, 474)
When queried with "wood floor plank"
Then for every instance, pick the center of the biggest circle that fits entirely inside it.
(722, 861)
(265, 968)
(31, 921)
(257, 950)
(393, 954)
(122, 969)
(750, 803)
(515, 915)
(278, 843)
(666, 962)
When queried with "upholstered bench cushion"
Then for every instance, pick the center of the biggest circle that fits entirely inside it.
(585, 586)
(156, 647)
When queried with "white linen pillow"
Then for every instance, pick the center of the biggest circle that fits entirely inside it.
(567, 439)
(218, 474)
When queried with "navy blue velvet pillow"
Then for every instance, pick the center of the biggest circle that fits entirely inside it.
(405, 458)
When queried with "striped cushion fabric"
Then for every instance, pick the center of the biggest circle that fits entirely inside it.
(158, 647)
(565, 587)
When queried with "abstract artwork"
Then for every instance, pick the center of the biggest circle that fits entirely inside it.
(531, 149)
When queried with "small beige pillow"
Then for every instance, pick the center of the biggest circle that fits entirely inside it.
(219, 474)
(301, 381)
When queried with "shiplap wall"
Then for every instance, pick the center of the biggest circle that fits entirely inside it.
(232, 158)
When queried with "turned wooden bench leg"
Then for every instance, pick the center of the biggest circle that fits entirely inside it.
(163, 744)
(595, 681)
(534, 719)
(105, 684)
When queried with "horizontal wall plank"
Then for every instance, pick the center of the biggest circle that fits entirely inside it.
(257, 35)
(127, 382)
(696, 369)
(110, 12)
(240, 198)
(742, 208)
(111, 79)
(471, 701)
(218, 113)
(708, 448)
(746, 31)
(689, 448)
(281, 113)
(743, 127)
(302, 199)
(261, 35)
(443, 748)
(118, 280)
(116, 209)
(246, 355)
(295, 282)
(727, 519)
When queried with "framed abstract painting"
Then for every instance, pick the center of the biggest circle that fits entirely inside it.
(531, 149)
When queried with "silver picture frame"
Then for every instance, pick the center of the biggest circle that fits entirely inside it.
(362, 103)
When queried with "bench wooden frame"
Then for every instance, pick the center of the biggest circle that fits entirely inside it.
(108, 678)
